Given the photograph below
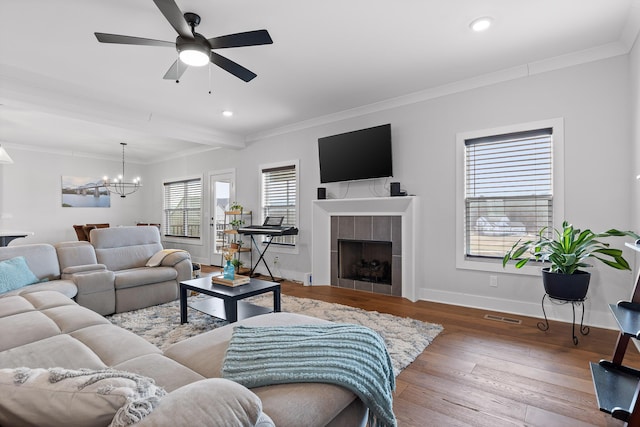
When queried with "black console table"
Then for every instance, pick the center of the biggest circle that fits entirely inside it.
(7, 236)
(584, 330)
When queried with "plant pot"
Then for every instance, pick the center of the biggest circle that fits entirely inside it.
(568, 287)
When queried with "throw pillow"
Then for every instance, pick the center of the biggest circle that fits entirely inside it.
(15, 273)
(57, 397)
(156, 259)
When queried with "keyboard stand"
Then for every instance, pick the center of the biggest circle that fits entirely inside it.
(261, 258)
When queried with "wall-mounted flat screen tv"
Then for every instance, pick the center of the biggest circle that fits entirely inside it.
(361, 154)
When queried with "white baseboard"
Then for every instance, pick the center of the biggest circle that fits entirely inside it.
(556, 312)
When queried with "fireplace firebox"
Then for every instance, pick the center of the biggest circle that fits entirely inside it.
(365, 260)
(366, 253)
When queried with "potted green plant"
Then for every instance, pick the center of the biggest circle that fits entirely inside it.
(567, 252)
(236, 223)
(237, 264)
(236, 207)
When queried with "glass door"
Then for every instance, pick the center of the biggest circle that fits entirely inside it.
(222, 194)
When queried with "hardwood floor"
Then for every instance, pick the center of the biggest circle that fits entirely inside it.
(482, 372)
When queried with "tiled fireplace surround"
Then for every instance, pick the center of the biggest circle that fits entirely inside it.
(403, 209)
(368, 228)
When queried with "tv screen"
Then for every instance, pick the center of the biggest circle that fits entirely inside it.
(361, 154)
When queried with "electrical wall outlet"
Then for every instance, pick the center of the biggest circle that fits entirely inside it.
(276, 260)
(493, 281)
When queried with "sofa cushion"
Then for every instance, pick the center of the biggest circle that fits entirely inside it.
(167, 373)
(121, 248)
(144, 276)
(56, 397)
(32, 326)
(15, 273)
(64, 287)
(13, 305)
(41, 259)
(100, 339)
(56, 351)
(74, 254)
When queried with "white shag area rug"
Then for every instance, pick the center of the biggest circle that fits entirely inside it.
(405, 338)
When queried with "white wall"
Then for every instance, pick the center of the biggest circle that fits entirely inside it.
(31, 200)
(593, 99)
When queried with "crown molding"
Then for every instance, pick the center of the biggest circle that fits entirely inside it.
(522, 71)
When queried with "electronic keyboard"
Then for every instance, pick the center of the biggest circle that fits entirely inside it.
(271, 230)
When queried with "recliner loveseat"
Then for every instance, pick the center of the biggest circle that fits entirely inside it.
(111, 274)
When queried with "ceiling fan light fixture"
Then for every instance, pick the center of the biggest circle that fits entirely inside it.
(194, 55)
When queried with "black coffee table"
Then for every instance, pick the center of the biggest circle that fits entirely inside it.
(225, 300)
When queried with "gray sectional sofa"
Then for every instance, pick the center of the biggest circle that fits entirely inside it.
(43, 328)
(46, 329)
(111, 274)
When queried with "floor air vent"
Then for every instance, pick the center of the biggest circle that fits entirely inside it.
(502, 319)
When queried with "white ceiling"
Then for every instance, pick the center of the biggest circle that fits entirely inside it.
(62, 90)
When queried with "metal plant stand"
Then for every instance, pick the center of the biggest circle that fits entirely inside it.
(584, 330)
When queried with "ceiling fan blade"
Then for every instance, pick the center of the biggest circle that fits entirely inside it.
(175, 71)
(248, 38)
(174, 15)
(234, 68)
(116, 38)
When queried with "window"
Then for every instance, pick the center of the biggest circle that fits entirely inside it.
(280, 196)
(510, 189)
(182, 208)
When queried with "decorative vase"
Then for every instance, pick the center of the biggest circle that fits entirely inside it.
(229, 271)
(568, 287)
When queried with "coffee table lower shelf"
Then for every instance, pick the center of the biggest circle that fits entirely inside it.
(215, 307)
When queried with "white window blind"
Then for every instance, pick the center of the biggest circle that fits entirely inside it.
(508, 190)
(182, 208)
(279, 197)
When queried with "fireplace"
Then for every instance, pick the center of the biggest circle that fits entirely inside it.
(335, 218)
(364, 260)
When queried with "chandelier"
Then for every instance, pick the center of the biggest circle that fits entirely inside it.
(119, 185)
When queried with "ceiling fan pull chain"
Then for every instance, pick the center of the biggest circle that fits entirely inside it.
(177, 68)
(209, 78)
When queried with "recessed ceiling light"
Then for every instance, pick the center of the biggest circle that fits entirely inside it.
(481, 24)
(227, 113)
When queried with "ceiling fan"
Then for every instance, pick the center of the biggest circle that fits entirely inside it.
(193, 48)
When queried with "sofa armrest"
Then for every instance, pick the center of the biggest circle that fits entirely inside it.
(181, 261)
(96, 289)
(214, 402)
(68, 271)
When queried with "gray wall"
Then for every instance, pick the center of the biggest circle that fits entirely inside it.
(601, 161)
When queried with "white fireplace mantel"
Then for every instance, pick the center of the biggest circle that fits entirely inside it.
(323, 210)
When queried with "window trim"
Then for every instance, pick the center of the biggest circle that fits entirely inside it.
(275, 247)
(495, 265)
(198, 241)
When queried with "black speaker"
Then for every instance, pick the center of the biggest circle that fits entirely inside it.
(322, 193)
(395, 189)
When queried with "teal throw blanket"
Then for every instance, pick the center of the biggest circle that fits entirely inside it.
(351, 356)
